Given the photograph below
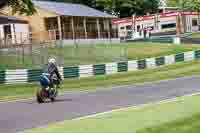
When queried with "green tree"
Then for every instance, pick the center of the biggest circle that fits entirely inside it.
(181, 4)
(172, 3)
(126, 8)
(20, 6)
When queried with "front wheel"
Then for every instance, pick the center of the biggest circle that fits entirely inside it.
(54, 95)
(52, 99)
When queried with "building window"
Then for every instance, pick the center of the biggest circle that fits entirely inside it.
(128, 27)
(194, 22)
(138, 28)
(122, 28)
(150, 28)
(166, 26)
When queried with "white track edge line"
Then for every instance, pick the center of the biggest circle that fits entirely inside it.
(124, 109)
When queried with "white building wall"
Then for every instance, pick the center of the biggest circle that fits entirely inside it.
(188, 23)
(162, 20)
(122, 29)
(167, 20)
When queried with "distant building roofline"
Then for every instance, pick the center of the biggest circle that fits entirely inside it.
(71, 9)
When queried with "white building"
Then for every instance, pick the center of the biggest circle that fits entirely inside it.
(160, 24)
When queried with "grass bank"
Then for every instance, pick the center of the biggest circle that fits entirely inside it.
(184, 125)
(10, 92)
(129, 120)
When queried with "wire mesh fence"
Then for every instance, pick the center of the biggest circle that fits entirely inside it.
(35, 55)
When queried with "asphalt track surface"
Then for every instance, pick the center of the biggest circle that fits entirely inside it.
(18, 116)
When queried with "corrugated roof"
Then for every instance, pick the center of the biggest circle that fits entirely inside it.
(69, 9)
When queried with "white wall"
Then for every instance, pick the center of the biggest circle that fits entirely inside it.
(188, 23)
(162, 20)
(122, 32)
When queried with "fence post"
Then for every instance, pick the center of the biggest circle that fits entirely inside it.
(98, 28)
(23, 54)
(85, 27)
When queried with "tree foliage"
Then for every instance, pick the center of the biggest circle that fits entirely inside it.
(20, 6)
(126, 8)
(181, 4)
(194, 5)
(190, 5)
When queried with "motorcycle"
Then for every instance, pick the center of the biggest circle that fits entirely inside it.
(45, 92)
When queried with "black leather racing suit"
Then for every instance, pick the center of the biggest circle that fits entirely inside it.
(52, 70)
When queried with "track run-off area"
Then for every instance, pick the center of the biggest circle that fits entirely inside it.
(26, 114)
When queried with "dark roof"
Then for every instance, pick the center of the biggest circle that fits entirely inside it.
(69, 9)
(10, 19)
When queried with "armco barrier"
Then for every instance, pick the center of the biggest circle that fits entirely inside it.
(71, 72)
(179, 57)
(33, 75)
(2, 76)
(160, 61)
(24, 75)
(99, 69)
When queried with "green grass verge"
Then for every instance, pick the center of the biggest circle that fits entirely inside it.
(186, 125)
(10, 92)
(93, 54)
(129, 120)
(195, 35)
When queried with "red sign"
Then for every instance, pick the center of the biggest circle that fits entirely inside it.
(172, 14)
(191, 13)
(119, 21)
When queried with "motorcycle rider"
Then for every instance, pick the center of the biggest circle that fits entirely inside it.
(51, 70)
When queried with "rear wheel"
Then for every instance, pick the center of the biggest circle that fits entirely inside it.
(39, 98)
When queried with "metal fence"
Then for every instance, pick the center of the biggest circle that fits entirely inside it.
(36, 54)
